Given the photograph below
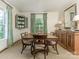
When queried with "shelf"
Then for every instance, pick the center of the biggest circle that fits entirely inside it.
(21, 22)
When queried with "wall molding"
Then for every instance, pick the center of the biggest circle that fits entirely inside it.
(6, 3)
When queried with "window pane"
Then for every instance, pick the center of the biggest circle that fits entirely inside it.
(39, 22)
(2, 24)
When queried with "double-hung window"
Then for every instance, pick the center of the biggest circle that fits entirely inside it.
(39, 22)
(2, 24)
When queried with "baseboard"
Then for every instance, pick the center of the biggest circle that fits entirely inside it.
(16, 42)
(3, 50)
(9, 47)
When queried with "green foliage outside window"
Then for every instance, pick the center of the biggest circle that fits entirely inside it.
(1, 24)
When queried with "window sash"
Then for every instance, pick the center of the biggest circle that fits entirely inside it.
(2, 24)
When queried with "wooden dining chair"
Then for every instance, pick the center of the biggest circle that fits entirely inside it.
(25, 41)
(39, 45)
(53, 43)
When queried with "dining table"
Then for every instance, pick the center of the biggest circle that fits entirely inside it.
(49, 37)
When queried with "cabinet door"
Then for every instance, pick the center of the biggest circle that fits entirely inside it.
(70, 41)
(58, 34)
(63, 38)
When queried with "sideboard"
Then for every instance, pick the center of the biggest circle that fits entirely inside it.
(69, 40)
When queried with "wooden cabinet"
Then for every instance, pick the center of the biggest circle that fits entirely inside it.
(76, 43)
(62, 37)
(69, 40)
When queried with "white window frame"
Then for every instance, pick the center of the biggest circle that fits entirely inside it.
(5, 23)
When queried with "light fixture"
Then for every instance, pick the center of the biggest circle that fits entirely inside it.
(76, 19)
(59, 22)
(58, 25)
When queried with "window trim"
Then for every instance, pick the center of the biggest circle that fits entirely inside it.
(4, 23)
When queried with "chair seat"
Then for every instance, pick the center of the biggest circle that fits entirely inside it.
(27, 41)
(41, 46)
(53, 42)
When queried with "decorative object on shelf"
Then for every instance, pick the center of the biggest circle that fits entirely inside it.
(58, 25)
(76, 19)
(21, 22)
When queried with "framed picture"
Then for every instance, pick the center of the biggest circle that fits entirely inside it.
(72, 14)
(69, 13)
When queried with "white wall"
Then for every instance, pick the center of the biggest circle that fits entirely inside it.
(52, 19)
(16, 32)
(28, 15)
(77, 7)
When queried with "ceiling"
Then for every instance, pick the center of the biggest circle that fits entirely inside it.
(39, 5)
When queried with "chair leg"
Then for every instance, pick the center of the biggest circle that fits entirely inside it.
(53, 46)
(34, 56)
(32, 50)
(44, 54)
(24, 46)
(56, 49)
(47, 50)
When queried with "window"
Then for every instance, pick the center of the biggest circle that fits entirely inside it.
(2, 24)
(39, 22)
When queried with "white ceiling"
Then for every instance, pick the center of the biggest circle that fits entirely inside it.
(39, 5)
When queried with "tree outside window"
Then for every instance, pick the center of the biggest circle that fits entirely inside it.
(2, 24)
